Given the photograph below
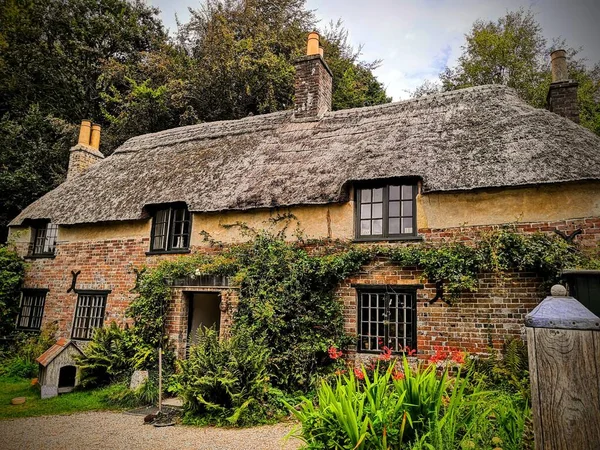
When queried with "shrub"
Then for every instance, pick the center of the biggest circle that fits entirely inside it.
(108, 357)
(12, 270)
(20, 359)
(146, 394)
(226, 382)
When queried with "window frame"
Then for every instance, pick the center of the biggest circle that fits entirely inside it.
(170, 235)
(49, 231)
(386, 236)
(89, 331)
(409, 290)
(32, 293)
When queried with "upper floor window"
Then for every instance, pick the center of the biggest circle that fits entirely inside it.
(44, 238)
(386, 211)
(171, 229)
(32, 309)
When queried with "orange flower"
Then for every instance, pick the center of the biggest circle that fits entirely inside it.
(397, 375)
(334, 353)
(358, 373)
(386, 354)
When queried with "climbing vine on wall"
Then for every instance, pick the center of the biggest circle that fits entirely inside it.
(286, 289)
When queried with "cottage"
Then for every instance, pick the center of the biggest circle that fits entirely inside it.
(439, 167)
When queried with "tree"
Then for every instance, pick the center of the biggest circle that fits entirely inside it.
(12, 270)
(512, 51)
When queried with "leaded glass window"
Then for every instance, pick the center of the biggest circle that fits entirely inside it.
(89, 314)
(44, 239)
(32, 309)
(386, 319)
(171, 229)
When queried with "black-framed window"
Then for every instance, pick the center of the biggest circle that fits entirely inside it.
(170, 229)
(31, 310)
(386, 211)
(386, 318)
(43, 242)
(89, 314)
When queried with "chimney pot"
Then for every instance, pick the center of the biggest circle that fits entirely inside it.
(95, 140)
(312, 47)
(84, 132)
(558, 63)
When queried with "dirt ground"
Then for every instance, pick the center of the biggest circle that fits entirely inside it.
(110, 430)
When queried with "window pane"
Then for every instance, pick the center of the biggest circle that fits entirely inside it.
(377, 226)
(407, 208)
(394, 226)
(377, 210)
(407, 226)
(378, 195)
(365, 195)
(365, 211)
(407, 192)
(394, 192)
(394, 209)
(365, 227)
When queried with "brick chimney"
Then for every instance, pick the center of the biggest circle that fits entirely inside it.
(313, 84)
(86, 152)
(562, 95)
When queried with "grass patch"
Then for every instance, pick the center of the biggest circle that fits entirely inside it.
(73, 402)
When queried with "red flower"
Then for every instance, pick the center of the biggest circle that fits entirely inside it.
(410, 352)
(397, 375)
(340, 372)
(386, 354)
(334, 353)
(458, 357)
(358, 373)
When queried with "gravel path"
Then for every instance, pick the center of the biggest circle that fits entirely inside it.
(110, 430)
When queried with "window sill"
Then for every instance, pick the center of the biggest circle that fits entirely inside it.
(48, 256)
(168, 252)
(417, 238)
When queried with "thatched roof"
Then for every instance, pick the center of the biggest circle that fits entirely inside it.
(474, 138)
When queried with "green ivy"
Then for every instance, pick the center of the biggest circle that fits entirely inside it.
(287, 289)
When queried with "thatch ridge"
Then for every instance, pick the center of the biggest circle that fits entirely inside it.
(474, 138)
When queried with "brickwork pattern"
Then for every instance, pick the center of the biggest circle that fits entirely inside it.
(475, 321)
(313, 87)
(81, 159)
(562, 100)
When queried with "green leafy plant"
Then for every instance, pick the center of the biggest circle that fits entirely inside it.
(226, 382)
(20, 358)
(12, 270)
(107, 357)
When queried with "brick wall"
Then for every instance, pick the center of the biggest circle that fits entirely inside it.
(313, 87)
(473, 322)
(81, 159)
(562, 100)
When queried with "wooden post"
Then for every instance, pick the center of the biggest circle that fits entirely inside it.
(160, 379)
(563, 339)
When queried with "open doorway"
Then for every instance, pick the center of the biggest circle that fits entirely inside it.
(66, 379)
(203, 311)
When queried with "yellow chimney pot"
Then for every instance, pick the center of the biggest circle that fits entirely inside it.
(321, 51)
(312, 47)
(95, 141)
(84, 132)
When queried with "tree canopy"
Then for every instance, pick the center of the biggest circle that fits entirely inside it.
(112, 61)
(513, 51)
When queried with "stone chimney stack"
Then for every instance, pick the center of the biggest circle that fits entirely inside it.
(87, 151)
(313, 84)
(562, 95)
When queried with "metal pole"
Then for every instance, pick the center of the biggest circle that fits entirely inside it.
(160, 379)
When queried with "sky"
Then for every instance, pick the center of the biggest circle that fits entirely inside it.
(416, 39)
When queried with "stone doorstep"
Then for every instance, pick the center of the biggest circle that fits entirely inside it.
(174, 402)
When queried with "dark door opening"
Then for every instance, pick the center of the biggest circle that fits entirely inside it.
(66, 378)
(203, 311)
